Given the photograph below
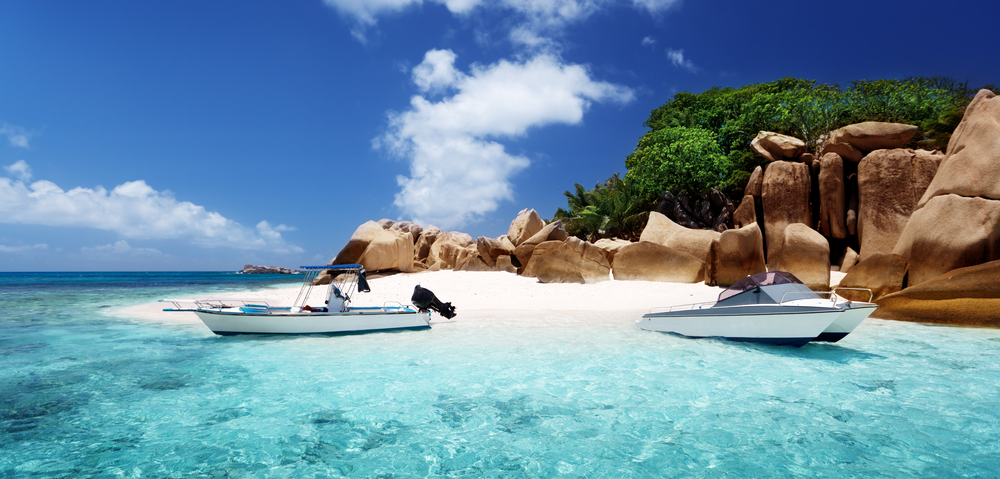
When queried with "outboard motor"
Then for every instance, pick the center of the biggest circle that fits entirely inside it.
(424, 299)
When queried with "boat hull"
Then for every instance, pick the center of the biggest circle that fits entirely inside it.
(789, 326)
(852, 317)
(350, 322)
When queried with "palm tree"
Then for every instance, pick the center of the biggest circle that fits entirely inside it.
(622, 207)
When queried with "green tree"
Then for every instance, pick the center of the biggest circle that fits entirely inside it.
(700, 141)
(622, 207)
(582, 219)
(677, 159)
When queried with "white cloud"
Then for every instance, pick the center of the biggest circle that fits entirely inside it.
(17, 249)
(364, 12)
(121, 248)
(134, 210)
(655, 6)
(457, 173)
(677, 58)
(16, 135)
(530, 37)
(437, 71)
(20, 169)
(534, 21)
(555, 12)
(648, 41)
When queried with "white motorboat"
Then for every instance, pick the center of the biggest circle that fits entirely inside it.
(854, 313)
(772, 308)
(228, 317)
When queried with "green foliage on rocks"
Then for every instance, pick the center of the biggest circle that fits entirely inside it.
(615, 208)
(699, 142)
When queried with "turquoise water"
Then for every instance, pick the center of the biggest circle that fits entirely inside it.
(86, 392)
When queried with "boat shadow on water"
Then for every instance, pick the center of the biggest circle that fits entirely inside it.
(830, 352)
(823, 351)
(239, 337)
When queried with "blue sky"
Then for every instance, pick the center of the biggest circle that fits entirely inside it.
(194, 135)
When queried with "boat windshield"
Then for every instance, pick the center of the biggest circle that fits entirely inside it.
(758, 280)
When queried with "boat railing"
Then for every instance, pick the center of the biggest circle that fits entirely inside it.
(808, 295)
(683, 307)
(217, 304)
(871, 295)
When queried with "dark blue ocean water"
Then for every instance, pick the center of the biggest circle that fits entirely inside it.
(87, 391)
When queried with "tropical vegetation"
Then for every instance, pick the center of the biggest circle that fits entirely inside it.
(699, 142)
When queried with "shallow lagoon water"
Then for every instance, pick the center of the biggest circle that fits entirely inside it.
(85, 391)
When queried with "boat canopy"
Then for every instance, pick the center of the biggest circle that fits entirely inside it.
(362, 280)
(765, 288)
(350, 276)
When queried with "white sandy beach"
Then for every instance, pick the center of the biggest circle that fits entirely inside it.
(489, 295)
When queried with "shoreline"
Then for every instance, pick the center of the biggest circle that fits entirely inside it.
(479, 294)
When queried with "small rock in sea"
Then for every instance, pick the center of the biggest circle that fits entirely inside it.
(254, 269)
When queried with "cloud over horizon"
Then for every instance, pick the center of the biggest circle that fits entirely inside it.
(458, 172)
(120, 248)
(21, 248)
(133, 210)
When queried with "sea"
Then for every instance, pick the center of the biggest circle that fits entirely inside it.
(86, 390)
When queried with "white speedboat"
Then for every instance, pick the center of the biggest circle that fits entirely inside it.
(227, 317)
(772, 308)
(854, 313)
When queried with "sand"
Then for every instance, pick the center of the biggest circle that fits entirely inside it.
(488, 295)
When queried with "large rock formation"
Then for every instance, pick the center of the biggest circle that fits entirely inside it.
(950, 232)
(645, 261)
(407, 227)
(505, 264)
(775, 146)
(389, 250)
(845, 151)
(746, 214)
(849, 260)
(358, 243)
(832, 197)
(661, 230)
(972, 165)
(881, 273)
(806, 254)
(785, 193)
(890, 183)
(490, 249)
(569, 261)
(554, 231)
(427, 238)
(736, 254)
(755, 184)
(611, 246)
(451, 250)
(377, 248)
(874, 135)
(968, 296)
(524, 226)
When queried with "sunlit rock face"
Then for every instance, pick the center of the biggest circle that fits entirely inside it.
(874, 135)
(785, 193)
(806, 254)
(645, 261)
(890, 183)
(968, 296)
